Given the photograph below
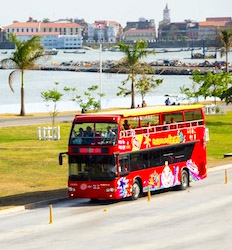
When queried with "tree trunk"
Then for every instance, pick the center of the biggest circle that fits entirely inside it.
(22, 112)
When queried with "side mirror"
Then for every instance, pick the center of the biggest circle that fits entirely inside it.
(61, 157)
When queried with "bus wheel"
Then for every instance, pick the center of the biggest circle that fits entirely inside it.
(184, 180)
(136, 190)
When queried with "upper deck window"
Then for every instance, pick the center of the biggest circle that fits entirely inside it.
(149, 119)
(173, 117)
(193, 115)
(92, 133)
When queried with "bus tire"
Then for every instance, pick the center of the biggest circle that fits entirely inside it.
(184, 180)
(136, 190)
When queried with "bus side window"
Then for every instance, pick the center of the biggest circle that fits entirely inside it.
(134, 162)
(168, 155)
(124, 164)
(155, 158)
(179, 153)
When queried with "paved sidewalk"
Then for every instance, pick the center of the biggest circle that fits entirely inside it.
(34, 120)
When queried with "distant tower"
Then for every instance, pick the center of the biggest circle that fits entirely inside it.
(166, 15)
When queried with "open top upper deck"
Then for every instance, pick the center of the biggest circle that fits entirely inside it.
(149, 127)
(125, 113)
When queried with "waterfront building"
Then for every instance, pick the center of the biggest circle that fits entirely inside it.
(209, 29)
(132, 35)
(143, 29)
(192, 31)
(141, 24)
(2, 34)
(173, 32)
(104, 32)
(59, 35)
(81, 22)
(4, 44)
(69, 42)
(84, 26)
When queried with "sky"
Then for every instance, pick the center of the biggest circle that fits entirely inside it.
(117, 10)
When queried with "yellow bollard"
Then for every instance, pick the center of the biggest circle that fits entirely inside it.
(148, 193)
(226, 176)
(50, 213)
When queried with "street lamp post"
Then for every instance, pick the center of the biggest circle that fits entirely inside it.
(100, 102)
(100, 71)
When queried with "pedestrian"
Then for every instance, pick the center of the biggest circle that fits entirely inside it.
(83, 110)
(167, 101)
(144, 104)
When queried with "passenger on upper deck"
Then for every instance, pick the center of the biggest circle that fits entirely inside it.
(148, 124)
(172, 120)
(81, 132)
(126, 125)
(88, 135)
(109, 135)
(88, 132)
(77, 137)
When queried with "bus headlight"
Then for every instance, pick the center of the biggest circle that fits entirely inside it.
(71, 189)
(110, 190)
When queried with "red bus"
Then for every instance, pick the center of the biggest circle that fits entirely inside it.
(118, 154)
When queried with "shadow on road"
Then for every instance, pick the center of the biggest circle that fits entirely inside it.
(28, 198)
(38, 199)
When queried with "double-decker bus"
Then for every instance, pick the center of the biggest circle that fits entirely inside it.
(126, 152)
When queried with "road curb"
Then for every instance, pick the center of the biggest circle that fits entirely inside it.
(219, 168)
(12, 210)
(31, 206)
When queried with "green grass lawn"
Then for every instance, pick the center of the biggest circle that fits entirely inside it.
(30, 166)
(220, 131)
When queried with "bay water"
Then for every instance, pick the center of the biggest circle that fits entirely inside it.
(37, 81)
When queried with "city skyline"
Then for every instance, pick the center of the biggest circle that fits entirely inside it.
(120, 11)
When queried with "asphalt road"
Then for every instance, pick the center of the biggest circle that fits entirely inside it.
(34, 120)
(199, 218)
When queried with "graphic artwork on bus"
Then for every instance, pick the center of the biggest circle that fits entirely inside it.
(164, 180)
(123, 187)
(182, 137)
(154, 181)
(147, 141)
(167, 177)
(193, 170)
(137, 142)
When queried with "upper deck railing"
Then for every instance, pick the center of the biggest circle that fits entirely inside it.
(98, 138)
(160, 128)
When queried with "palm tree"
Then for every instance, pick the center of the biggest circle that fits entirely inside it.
(225, 38)
(24, 58)
(133, 53)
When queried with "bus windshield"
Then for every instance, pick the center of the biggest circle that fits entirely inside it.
(92, 168)
(90, 133)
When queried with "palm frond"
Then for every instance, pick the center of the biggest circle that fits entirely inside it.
(225, 38)
(11, 78)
